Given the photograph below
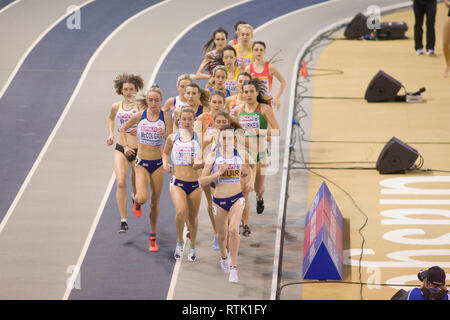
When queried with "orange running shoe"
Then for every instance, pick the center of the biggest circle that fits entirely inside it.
(153, 245)
(137, 209)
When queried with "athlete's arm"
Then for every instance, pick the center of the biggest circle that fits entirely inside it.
(169, 124)
(111, 123)
(273, 129)
(199, 74)
(168, 105)
(175, 123)
(166, 153)
(250, 164)
(206, 177)
(274, 71)
(199, 123)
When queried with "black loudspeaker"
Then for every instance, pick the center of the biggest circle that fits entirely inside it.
(392, 30)
(382, 88)
(396, 157)
(357, 28)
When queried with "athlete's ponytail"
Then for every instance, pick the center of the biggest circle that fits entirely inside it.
(217, 60)
(207, 45)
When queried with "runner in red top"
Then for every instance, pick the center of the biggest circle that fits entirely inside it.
(265, 71)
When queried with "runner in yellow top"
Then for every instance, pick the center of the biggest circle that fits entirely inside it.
(243, 48)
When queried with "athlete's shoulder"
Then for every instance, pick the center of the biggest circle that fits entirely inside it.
(264, 107)
(116, 105)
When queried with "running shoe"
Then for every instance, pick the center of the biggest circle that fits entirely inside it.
(419, 51)
(215, 244)
(233, 275)
(123, 227)
(430, 52)
(246, 231)
(225, 264)
(153, 247)
(191, 254)
(259, 206)
(137, 209)
(178, 252)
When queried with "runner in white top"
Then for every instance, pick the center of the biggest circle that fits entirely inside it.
(223, 166)
(184, 151)
(126, 85)
(179, 101)
(197, 99)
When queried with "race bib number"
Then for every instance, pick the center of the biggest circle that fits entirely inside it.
(249, 121)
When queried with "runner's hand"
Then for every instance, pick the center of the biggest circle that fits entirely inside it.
(223, 167)
(168, 167)
(133, 132)
(129, 151)
(110, 140)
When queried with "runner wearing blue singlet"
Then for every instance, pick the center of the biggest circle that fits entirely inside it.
(153, 126)
(224, 166)
(197, 99)
(126, 85)
(184, 151)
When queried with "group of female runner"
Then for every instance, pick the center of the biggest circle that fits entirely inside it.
(212, 140)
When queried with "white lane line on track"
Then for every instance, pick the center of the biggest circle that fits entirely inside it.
(74, 275)
(283, 200)
(112, 179)
(9, 6)
(31, 47)
(177, 267)
(44, 149)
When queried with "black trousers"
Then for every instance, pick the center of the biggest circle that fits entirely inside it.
(422, 8)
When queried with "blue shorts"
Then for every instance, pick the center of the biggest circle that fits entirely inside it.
(187, 186)
(150, 165)
(227, 203)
